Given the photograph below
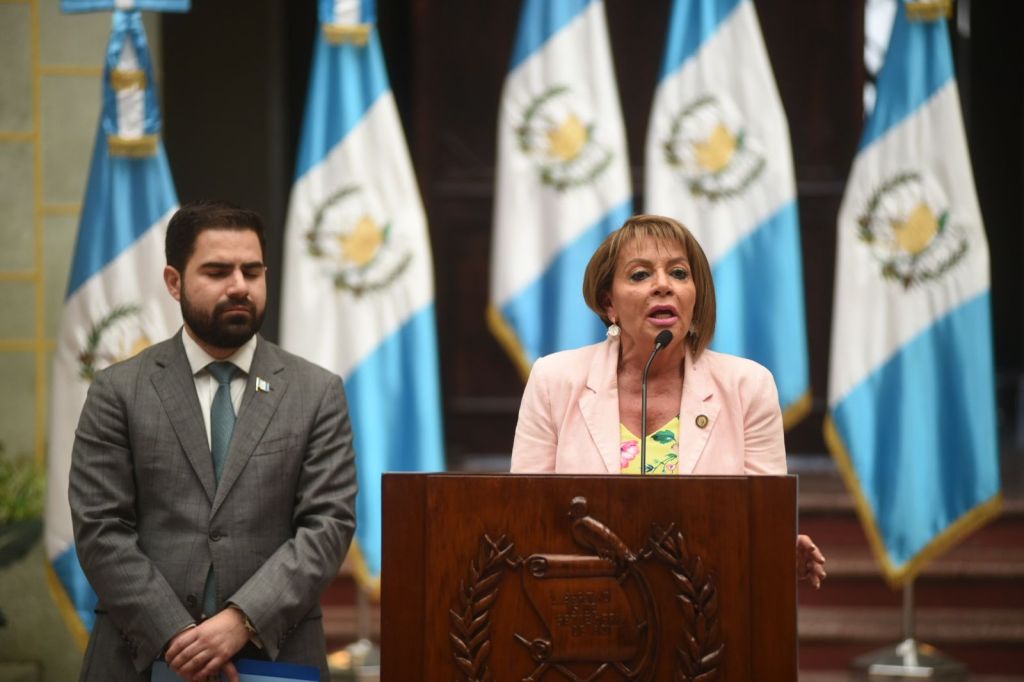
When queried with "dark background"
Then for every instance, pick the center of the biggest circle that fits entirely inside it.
(234, 92)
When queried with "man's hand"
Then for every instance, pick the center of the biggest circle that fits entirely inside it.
(206, 650)
(810, 562)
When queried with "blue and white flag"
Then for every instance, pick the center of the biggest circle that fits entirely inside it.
(116, 303)
(358, 287)
(719, 160)
(562, 178)
(911, 393)
(76, 6)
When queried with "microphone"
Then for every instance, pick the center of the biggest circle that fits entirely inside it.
(660, 341)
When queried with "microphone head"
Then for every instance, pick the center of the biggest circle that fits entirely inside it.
(663, 339)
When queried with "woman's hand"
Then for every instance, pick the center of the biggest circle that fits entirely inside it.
(810, 562)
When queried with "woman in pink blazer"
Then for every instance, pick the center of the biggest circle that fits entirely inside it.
(709, 413)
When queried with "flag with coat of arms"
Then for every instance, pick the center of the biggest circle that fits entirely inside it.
(116, 302)
(718, 160)
(358, 288)
(562, 178)
(911, 396)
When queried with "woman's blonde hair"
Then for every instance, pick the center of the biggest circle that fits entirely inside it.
(597, 281)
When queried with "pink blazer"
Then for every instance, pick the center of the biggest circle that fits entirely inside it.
(569, 417)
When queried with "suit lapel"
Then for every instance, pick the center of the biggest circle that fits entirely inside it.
(176, 388)
(254, 415)
(698, 412)
(600, 404)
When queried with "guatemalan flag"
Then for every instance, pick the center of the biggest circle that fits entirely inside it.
(358, 289)
(116, 301)
(718, 159)
(911, 393)
(562, 178)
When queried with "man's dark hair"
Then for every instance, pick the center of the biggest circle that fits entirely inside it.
(194, 217)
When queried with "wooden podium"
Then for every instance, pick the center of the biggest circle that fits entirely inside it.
(530, 577)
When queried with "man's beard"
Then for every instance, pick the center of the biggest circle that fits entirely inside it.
(222, 329)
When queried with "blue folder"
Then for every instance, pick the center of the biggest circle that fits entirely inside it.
(250, 670)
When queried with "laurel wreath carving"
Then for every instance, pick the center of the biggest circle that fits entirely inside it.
(88, 356)
(470, 635)
(701, 650)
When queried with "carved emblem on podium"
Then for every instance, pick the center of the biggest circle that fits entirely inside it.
(596, 611)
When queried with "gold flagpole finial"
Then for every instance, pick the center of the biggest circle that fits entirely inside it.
(132, 147)
(929, 10)
(354, 34)
(123, 79)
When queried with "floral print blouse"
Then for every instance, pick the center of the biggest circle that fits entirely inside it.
(662, 450)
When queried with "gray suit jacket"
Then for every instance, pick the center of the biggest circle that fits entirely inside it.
(149, 517)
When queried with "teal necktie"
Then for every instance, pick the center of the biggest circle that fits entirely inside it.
(222, 425)
(222, 414)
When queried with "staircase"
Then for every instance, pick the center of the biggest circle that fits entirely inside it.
(969, 602)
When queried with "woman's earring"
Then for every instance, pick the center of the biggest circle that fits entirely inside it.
(613, 331)
(693, 331)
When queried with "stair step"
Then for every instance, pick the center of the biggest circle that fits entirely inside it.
(841, 676)
(933, 625)
(987, 640)
(980, 659)
(341, 625)
(982, 577)
(963, 562)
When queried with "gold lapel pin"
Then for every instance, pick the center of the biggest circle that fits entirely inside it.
(701, 421)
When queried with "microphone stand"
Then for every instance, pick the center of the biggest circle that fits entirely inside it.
(662, 340)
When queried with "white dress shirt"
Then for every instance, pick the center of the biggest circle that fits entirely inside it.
(206, 384)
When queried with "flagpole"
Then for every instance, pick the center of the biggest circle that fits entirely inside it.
(908, 611)
(909, 658)
(365, 655)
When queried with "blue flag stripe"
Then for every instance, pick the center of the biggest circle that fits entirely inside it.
(550, 315)
(77, 586)
(76, 6)
(368, 11)
(404, 434)
(692, 23)
(144, 193)
(539, 21)
(343, 86)
(760, 300)
(886, 432)
(921, 65)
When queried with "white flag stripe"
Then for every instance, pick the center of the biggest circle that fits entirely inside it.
(337, 341)
(753, 88)
(131, 102)
(523, 202)
(357, 286)
(129, 279)
(921, 141)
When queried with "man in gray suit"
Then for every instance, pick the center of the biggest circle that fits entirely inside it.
(212, 481)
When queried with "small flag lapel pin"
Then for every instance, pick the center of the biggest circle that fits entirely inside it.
(262, 385)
